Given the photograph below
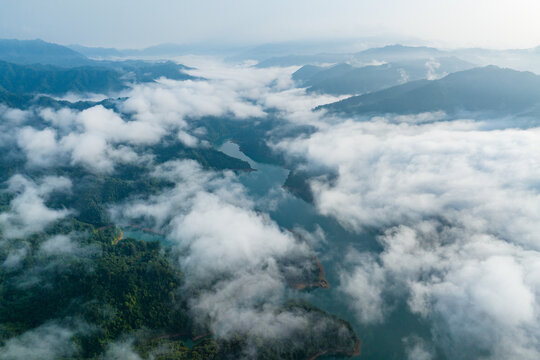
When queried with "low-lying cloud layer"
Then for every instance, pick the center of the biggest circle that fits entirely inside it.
(461, 206)
(28, 213)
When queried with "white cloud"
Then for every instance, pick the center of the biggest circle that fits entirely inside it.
(40, 147)
(421, 118)
(28, 213)
(108, 125)
(15, 258)
(48, 341)
(59, 244)
(365, 284)
(476, 289)
(392, 174)
(63, 119)
(14, 116)
(187, 139)
(268, 88)
(121, 350)
(170, 102)
(417, 349)
(94, 138)
(460, 204)
(10, 121)
(433, 66)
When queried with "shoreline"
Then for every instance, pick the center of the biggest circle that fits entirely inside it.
(323, 283)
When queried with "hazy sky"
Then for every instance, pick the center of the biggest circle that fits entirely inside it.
(139, 23)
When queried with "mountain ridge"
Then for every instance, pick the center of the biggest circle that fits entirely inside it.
(487, 88)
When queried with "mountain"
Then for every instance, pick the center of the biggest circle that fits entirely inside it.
(398, 52)
(489, 89)
(96, 52)
(391, 53)
(114, 76)
(162, 50)
(40, 52)
(36, 67)
(13, 100)
(21, 79)
(291, 49)
(347, 79)
(296, 60)
(34, 52)
(156, 51)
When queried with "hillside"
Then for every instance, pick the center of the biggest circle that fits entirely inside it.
(490, 89)
(40, 52)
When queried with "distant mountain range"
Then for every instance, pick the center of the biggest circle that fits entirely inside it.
(32, 52)
(231, 51)
(348, 79)
(519, 59)
(390, 53)
(40, 52)
(156, 51)
(487, 89)
(28, 68)
(405, 80)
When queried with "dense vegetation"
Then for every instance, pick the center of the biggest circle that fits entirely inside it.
(120, 286)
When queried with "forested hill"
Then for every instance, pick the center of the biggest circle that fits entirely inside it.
(32, 67)
(109, 76)
(487, 89)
